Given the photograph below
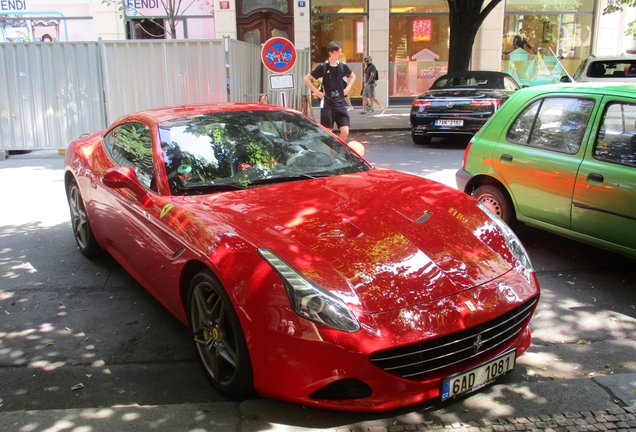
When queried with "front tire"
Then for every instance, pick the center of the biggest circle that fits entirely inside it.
(79, 219)
(497, 201)
(218, 338)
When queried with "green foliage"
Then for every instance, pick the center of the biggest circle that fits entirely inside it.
(617, 6)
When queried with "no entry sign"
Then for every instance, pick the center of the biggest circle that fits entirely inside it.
(278, 55)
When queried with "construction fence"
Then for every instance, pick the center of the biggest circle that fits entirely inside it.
(52, 93)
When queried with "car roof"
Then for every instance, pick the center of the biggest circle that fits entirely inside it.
(475, 73)
(602, 88)
(158, 115)
(610, 58)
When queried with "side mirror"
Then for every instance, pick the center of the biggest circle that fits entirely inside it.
(357, 147)
(126, 178)
(565, 79)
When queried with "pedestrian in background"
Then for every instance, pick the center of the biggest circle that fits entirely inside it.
(334, 90)
(368, 90)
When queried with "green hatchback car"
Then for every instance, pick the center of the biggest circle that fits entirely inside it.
(562, 158)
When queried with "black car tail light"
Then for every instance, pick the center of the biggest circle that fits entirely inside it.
(496, 103)
(421, 103)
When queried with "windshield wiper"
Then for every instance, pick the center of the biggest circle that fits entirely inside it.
(210, 188)
(284, 179)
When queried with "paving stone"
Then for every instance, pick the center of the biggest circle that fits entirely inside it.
(616, 410)
(565, 422)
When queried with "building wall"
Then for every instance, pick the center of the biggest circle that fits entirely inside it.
(108, 24)
(225, 20)
(379, 45)
(487, 47)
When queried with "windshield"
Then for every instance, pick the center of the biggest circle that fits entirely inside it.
(481, 81)
(239, 149)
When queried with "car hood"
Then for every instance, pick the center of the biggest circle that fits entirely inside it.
(394, 239)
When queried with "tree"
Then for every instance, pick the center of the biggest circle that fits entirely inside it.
(173, 8)
(465, 17)
(616, 6)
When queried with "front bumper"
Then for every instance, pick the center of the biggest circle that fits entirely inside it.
(296, 360)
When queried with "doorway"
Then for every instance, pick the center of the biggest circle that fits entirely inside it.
(259, 20)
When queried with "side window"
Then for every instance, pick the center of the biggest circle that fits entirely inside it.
(559, 124)
(521, 128)
(616, 140)
(510, 84)
(130, 145)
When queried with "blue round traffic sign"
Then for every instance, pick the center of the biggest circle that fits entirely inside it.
(278, 55)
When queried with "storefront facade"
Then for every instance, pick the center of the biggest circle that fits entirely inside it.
(408, 39)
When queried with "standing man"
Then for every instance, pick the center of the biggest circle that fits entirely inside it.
(368, 91)
(334, 91)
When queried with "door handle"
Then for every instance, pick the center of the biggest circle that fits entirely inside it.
(505, 158)
(598, 178)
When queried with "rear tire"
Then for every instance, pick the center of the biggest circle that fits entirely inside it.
(79, 219)
(497, 201)
(421, 139)
(218, 338)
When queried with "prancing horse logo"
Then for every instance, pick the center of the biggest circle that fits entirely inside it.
(477, 344)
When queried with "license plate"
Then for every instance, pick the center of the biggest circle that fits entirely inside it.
(478, 377)
(449, 122)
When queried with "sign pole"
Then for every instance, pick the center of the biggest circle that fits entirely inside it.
(279, 56)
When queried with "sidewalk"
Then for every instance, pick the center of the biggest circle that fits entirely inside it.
(394, 118)
(559, 406)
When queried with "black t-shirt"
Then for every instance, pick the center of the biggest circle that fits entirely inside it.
(332, 83)
(370, 74)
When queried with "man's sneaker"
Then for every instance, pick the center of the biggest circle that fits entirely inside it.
(363, 112)
(383, 109)
(350, 109)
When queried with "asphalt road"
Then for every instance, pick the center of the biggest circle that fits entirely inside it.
(76, 333)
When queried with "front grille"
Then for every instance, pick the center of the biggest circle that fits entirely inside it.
(416, 360)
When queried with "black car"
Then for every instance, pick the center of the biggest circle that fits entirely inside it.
(459, 103)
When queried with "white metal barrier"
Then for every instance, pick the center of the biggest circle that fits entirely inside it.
(51, 93)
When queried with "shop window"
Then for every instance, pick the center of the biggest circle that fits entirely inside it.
(557, 37)
(146, 29)
(418, 50)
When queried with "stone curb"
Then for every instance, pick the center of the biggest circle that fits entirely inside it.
(615, 419)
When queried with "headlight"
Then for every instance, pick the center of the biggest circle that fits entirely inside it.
(309, 300)
(513, 242)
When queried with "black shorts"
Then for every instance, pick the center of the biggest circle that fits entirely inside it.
(339, 115)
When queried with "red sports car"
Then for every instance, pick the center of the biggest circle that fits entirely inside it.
(303, 272)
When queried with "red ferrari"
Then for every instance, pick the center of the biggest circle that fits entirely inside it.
(304, 273)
